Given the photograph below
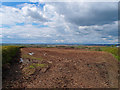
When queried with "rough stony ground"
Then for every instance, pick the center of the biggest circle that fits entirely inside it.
(63, 68)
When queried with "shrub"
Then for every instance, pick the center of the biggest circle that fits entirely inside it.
(113, 50)
(9, 53)
(98, 49)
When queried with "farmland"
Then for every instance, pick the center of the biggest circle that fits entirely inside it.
(61, 67)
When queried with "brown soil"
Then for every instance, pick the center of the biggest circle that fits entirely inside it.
(63, 68)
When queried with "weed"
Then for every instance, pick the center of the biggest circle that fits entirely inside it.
(113, 50)
(31, 57)
(40, 65)
(31, 66)
(37, 65)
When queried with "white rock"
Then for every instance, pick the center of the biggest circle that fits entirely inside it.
(31, 53)
(21, 60)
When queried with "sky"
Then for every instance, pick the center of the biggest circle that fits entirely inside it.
(59, 22)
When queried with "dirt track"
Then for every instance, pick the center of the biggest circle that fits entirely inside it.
(64, 68)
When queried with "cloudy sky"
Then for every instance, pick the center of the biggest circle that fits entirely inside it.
(59, 22)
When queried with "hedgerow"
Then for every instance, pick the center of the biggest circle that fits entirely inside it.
(9, 53)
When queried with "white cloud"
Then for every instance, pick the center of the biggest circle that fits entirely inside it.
(10, 15)
(27, 14)
(88, 13)
(58, 28)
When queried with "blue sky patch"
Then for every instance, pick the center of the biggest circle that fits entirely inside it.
(15, 4)
(39, 26)
(5, 26)
(21, 24)
(43, 26)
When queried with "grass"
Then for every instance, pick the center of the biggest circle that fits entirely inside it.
(110, 49)
(31, 66)
(28, 70)
(9, 53)
(113, 50)
(31, 57)
(38, 65)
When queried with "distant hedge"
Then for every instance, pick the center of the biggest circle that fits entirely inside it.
(9, 53)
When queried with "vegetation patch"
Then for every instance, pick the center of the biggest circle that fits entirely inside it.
(113, 50)
(38, 65)
(31, 66)
(110, 49)
(31, 57)
(9, 53)
(28, 70)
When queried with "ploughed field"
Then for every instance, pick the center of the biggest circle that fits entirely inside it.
(63, 68)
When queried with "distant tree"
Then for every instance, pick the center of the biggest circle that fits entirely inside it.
(112, 45)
